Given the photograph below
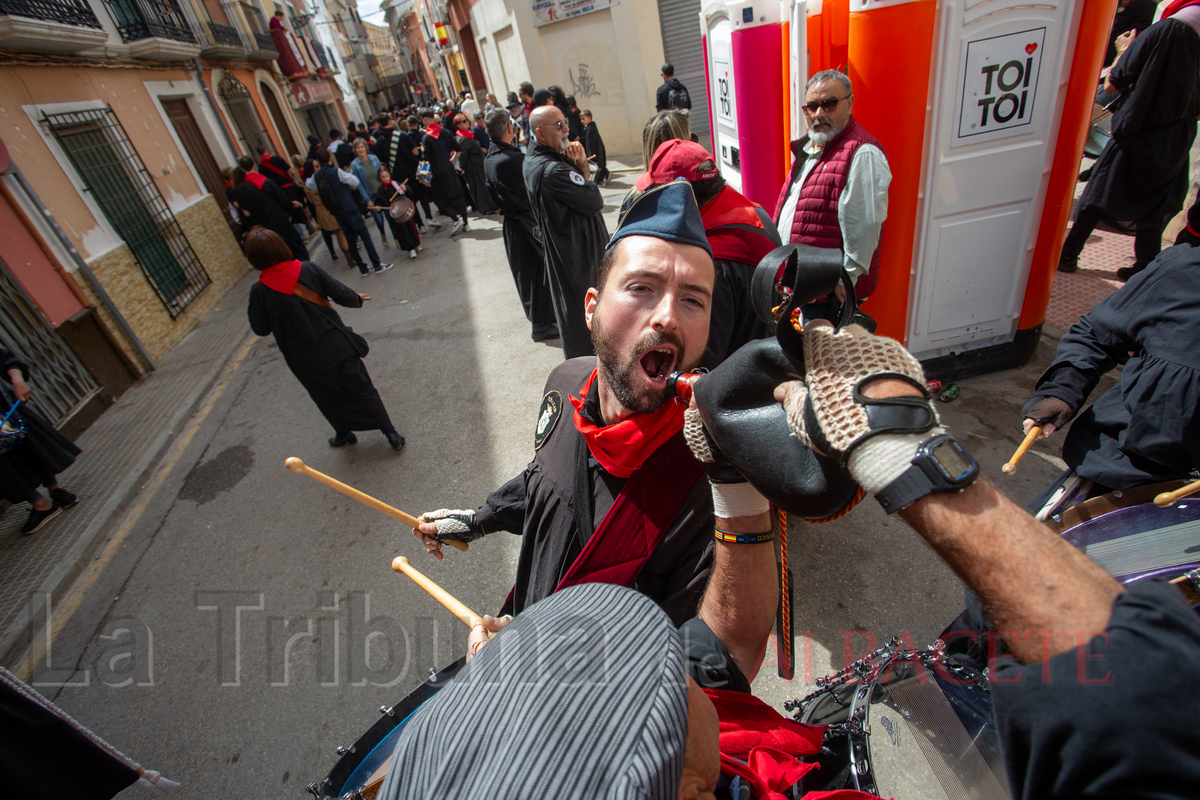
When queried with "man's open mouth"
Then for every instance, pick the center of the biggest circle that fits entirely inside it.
(658, 363)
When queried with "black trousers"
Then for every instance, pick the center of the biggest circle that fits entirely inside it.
(1147, 243)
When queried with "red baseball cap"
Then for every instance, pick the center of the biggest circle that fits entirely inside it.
(677, 158)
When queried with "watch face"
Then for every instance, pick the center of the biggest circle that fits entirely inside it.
(952, 460)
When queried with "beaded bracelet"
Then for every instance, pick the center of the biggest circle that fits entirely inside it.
(744, 538)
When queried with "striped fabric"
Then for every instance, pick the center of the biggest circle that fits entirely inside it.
(583, 695)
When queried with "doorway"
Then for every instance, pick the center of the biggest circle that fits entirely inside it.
(198, 152)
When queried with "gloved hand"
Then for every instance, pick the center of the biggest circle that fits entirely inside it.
(454, 523)
(874, 439)
(1049, 412)
(733, 496)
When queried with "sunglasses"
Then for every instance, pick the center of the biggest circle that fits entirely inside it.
(827, 105)
(558, 126)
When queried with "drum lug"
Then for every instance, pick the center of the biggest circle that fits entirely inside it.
(432, 675)
(386, 710)
(341, 751)
(313, 790)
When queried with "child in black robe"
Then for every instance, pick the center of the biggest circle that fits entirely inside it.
(405, 233)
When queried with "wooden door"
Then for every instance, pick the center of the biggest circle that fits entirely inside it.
(197, 151)
(285, 133)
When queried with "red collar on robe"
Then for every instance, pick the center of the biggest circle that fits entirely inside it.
(622, 448)
(257, 179)
(465, 134)
(728, 209)
(1178, 4)
(433, 129)
(281, 277)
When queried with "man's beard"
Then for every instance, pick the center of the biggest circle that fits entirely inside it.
(618, 374)
(825, 134)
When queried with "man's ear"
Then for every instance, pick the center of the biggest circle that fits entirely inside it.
(589, 305)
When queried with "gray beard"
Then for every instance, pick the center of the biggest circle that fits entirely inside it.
(823, 136)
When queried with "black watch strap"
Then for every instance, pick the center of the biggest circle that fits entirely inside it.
(912, 485)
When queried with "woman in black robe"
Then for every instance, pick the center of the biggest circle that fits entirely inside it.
(470, 161)
(444, 185)
(263, 203)
(38, 458)
(291, 300)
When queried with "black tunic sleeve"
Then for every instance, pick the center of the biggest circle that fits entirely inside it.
(564, 184)
(272, 190)
(504, 509)
(9, 360)
(329, 286)
(260, 320)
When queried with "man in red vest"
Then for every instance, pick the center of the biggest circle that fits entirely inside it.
(613, 494)
(836, 195)
(739, 232)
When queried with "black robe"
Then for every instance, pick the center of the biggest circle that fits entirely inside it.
(470, 160)
(318, 350)
(569, 210)
(41, 455)
(594, 146)
(1147, 427)
(405, 233)
(537, 505)
(270, 208)
(1141, 176)
(522, 237)
(444, 188)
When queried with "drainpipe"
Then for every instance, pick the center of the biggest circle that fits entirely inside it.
(84, 269)
(212, 103)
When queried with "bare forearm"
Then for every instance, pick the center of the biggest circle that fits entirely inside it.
(743, 593)
(1031, 582)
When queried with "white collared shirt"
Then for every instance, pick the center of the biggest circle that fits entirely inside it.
(862, 205)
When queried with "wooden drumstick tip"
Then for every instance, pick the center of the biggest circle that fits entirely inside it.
(1171, 498)
(294, 464)
(1026, 443)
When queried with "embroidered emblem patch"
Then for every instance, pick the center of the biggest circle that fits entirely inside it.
(576, 178)
(551, 410)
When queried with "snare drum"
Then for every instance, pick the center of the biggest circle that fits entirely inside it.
(402, 209)
(362, 767)
(906, 724)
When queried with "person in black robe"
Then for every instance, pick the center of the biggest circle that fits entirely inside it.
(522, 238)
(470, 161)
(37, 459)
(1140, 179)
(404, 233)
(1145, 429)
(569, 210)
(263, 203)
(278, 170)
(397, 150)
(291, 301)
(1132, 15)
(444, 185)
(593, 145)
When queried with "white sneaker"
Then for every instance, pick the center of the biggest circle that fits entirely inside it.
(458, 226)
(420, 248)
(384, 267)
(412, 253)
(366, 274)
(435, 225)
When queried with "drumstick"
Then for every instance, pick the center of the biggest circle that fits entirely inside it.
(468, 617)
(1171, 498)
(1011, 466)
(296, 465)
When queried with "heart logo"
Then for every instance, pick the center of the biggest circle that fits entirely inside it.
(1029, 48)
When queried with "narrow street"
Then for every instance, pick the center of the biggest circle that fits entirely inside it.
(243, 621)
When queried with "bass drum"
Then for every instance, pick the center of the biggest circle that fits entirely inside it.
(906, 724)
(362, 767)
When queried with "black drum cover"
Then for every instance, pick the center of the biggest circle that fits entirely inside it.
(739, 410)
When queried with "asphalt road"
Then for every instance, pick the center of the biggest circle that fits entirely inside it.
(251, 623)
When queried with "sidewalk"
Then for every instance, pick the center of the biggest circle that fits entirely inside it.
(119, 450)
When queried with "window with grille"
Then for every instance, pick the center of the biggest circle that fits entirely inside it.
(111, 169)
(246, 122)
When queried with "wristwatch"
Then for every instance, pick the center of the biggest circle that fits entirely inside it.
(940, 465)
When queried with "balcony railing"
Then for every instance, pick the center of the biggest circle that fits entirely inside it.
(264, 42)
(68, 12)
(144, 19)
(224, 34)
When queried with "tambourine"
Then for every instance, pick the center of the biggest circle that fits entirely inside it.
(402, 209)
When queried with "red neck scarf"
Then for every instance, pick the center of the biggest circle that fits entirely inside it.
(256, 179)
(433, 129)
(622, 448)
(465, 134)
(282, 277)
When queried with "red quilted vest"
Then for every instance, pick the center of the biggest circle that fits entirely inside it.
(816, 221)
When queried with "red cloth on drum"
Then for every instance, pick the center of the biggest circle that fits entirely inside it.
(281, 277)
(747, 723)
(622, 447)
